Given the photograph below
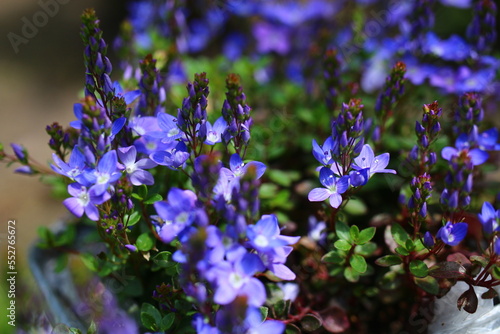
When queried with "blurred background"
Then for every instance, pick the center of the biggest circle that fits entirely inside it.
(39, 83)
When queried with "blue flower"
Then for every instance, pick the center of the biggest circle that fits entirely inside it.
(323, 153)
(265, 235)
(169, 129)
(334, 187)
(489, 218)
(85, 200)
(235, 278)
(214, 133)
(238, 168)
(452, 234)
(106, 171)
(173, 158)
(462, 149)
(135, 170)
(177, 213)
(75, 167)
(376, 164)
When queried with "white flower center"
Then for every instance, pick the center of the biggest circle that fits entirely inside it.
(182, 218)
(102, 178)
(236, 280)
(261, 241)
(173, 132)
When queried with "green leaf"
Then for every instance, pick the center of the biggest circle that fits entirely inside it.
(354, 232)
(365, 235)
(358, 263)
(366, 249)
(61, 262)
(310, 322)
(167, 321)
(399, 234)
(150, 317)
(264, 311)
(482, 261)
(402, 251)
(342, 231)
(145, 242)
(388, 260)
(333, 257)
(163, 260)
(142, 191)
(495, 272)
(342, 245)
(351, 275)
(409, 245)
(90, 261)
(153, 199)
(428, 284)
(268, 190)
(418, 268)
(92, 328)
(132, 219)
(74, 330)
(292, 329)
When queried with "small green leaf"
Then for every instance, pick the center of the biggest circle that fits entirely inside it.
(366, 249)
(264, 311)
(428, 284)
(167, 321)
(136, 196)
(409, 245)
(388, 260)
(495, 272)
(354, 232)
(90, 261)
(132, 219)
(283, 178)
(142, 191)
(164, 260)
(358, 263)
(310, 322)
(399, 234)
(342, 231)
(342, 245)
(365, 235)
(92, 328)
(482, 261)
(145, 242)
(333, 257)
(292, 329)
(418, 268)
(402, 251)
(153, 199)
(351, 275)
(74, 330)
(150, 317)
(355, 207)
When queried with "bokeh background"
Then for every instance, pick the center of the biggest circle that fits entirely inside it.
(38, 86)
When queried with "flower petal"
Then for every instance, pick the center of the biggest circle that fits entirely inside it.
(318, 194)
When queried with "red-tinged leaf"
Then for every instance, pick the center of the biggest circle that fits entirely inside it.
(310, 322)
(428, 284)
(491, 293)
(468, 300)
(335, 320)
(447, 269)
(459, 258)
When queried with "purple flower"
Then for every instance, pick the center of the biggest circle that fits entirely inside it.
(452, 234)
(376, 164)
(323, 153)
(106, 171)
(488, 140)
(238, 168)
(173, 158)
(129, 97)
(316, 230)
(265, 235)
(428, 239)
(236, 279)
(135, 170)
(496, 245)
(214, 133)
(85, 200)
(169, 129)
(20, 152)
(462, 150)
(334, 187)
(489, 218)
(178, 213)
